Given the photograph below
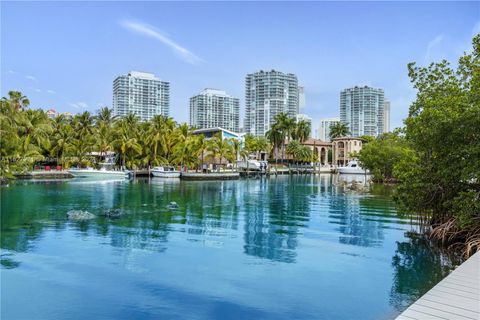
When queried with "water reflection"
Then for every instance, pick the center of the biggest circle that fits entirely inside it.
(418, 267)
(276, 212)
(225, 240)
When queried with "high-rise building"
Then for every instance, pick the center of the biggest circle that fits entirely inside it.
(324, 128)
(361, 108)
(301, 99)
(140, 93)
(214, 108)
(268, 93)
(386, 116)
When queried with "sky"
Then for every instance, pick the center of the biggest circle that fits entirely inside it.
(65, 55)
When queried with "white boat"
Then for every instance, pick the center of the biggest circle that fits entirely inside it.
(101, 173)
(165, 172)
(253, 165)
(352, 167)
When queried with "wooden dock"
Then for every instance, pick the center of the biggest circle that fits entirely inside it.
(455, 297)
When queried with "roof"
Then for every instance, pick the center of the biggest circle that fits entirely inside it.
(216, 129)
(314, 142)
(347, 138)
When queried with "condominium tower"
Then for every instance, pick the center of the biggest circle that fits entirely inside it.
(268, 93)
(386, 116)
(301, 99)
(324, 128)
(215, 108)
(361, 109)
(142, 94)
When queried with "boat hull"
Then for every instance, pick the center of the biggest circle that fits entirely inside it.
(97, 174)
(166, 174)
(251, 165)
(346, 170)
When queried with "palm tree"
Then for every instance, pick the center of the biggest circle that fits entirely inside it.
(83, 124)
(18, 100)
(34, 129)
(220, 148)
(125, 142)
(339, 129)
(105, 117)
(184, 153)
(286, 125)
(62, 142)
(303, 129)
(274, 135)
(201, 144)
(103, 138)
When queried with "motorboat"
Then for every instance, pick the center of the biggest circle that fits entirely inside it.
(102, 173)
(352, 167)
(250, 164)
(165, 172)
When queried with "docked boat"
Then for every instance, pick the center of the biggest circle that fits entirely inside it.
(352, 167)
(102, 173)
(251, 165)
(165, 172)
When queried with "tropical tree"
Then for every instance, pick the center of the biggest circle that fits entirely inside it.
(302, 130)
(286, 126)
(62, 140)
(17, 100)
(441, 180)
(381, 155)
(275, 136)
(221, 149)
(125, 142)
(339, 129)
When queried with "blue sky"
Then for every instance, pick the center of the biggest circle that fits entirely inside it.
(65, 55)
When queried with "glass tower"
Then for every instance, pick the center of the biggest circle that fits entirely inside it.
(268, 93)
(142, 94)
(361, 108)
(215, 108)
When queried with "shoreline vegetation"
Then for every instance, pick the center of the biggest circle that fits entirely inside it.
(434, 160)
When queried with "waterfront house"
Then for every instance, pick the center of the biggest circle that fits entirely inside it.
(344, 149)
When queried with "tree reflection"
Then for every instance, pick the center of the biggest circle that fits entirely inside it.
(418, 267)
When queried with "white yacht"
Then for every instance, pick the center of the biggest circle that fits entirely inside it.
(102, 173)
(250, 164)
(165, 172)
(352, 167)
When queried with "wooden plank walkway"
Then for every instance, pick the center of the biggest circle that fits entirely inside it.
(456, 297)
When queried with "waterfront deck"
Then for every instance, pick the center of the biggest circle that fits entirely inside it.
(455, 297)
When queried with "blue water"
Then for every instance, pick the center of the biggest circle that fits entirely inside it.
(296, 247)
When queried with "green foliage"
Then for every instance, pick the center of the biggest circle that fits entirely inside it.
(441, 178)
(339, 129)
(27, 136)
(299, 152)
(381, 155)
(285, 128)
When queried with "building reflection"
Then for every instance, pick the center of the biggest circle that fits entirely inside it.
(361, 218)
(275, 213)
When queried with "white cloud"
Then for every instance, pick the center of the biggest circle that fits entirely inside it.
(431, 45)
(11, 72)
(78, 105)
(51, 91)
(30, 77)
(151, 32)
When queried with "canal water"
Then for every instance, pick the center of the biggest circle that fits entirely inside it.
(287, 247)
